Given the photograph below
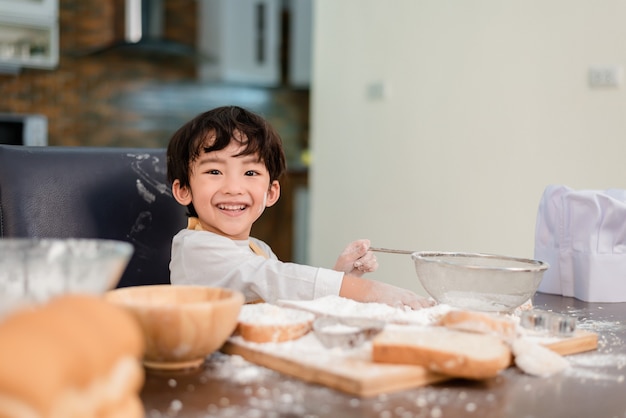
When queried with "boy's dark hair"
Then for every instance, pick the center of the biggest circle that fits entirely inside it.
(190, 140)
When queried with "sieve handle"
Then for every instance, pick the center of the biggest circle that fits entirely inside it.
(388, 250)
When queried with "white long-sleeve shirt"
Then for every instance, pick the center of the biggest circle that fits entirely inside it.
(206, 258)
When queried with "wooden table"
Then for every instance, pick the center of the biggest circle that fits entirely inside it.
(228, 386)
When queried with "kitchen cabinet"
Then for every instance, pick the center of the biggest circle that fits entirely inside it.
(241, 39)
(30, 7)
(300, 32)
(29, 34)
(246, 41)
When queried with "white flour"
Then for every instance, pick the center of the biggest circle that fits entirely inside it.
(599, 365)
(595, 367)
(343, 307)
(340, 329)
(267, 314)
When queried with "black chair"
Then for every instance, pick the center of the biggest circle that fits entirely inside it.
(93, 192)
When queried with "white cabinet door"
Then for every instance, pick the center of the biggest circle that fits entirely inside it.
(241, 40)
(29, 34)
(38, 8)
(301, 27)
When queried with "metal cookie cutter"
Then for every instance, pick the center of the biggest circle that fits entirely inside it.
(550, 323)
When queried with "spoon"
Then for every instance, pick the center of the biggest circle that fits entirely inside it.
(388, 250)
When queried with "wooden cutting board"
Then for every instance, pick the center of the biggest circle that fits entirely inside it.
(352, 371)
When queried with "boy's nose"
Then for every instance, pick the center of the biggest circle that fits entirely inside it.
(231, 185)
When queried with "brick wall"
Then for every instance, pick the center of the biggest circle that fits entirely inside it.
(81, 96)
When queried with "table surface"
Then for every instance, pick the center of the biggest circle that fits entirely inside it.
(594, 385)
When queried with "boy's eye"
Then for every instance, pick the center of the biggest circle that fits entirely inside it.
(251, 173)
(214, 172)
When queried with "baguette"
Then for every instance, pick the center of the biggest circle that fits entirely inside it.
(263, 322)
(450, 352)
(75, 356)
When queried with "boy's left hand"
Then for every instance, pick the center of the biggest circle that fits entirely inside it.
(356, 259)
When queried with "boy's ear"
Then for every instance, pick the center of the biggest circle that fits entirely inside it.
(273, 194)
(181, 194)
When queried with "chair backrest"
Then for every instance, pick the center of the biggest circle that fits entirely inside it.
(93, 192)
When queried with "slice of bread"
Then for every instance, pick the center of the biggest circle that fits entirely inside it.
(480, 322)
(454, 353)
(264, 322)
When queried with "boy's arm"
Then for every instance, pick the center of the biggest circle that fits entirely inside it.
(364, 290)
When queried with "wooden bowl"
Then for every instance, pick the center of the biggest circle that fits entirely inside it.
(181, 324)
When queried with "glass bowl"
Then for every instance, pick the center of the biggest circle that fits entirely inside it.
(36, 269)
(481, 282)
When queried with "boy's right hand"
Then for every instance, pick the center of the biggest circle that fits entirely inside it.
(356, 259)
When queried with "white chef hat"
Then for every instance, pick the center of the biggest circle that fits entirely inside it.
(582, 235)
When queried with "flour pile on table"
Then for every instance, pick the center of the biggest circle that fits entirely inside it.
(343, 307)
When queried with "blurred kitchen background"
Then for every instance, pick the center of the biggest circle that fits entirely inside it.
(128, 73)
(428, 125)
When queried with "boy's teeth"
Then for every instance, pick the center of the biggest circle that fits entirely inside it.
(232, 207)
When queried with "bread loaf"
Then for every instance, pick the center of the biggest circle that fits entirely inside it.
(264, 322)
(454, 353)
(484, 323)
(76, 356)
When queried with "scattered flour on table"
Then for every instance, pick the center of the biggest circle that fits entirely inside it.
(285, 397)
(236, 369)
(593, 366)
(599, 365)
(270, 394)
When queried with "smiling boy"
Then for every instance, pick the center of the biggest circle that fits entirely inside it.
(224, 166)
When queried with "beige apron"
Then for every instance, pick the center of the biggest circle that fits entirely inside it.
(194, 224)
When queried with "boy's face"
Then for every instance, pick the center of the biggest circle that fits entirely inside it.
(229, 193)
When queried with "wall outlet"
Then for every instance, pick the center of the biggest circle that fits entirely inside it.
(377, 90)
(605, 76)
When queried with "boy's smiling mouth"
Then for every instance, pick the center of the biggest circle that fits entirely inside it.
(232, 207)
